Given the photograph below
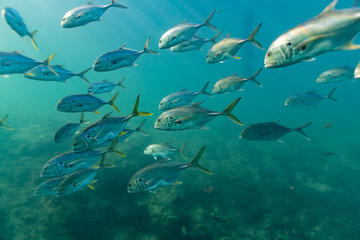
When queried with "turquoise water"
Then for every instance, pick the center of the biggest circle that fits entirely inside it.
(260, 190)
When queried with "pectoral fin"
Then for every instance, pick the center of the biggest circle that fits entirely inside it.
(91, 186)
(350, 46)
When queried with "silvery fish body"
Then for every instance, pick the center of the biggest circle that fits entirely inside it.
(85, 14)
(104, 86)
(195, 43)
(14, 62)
(307, 99)
(49, 187)
(357, 71)
(336, 75)
(43, 73)
(329, 31)
(70, 162)
(164, 150)
(77, 181)
(68, 130)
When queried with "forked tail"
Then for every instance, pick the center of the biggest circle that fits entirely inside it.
(136, 112)
(2, 123)
(82, 75)
(300, 130)
(252, 37)
(112, 102)
(195, 161)
(207, 21)
(32, 39)
(227, 112)
(252, 78)
(146, 47)
(329, 96)
(114, 4)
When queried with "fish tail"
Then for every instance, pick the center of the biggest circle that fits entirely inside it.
(227, 112)
(112, 102)
(3, 123)
(32, 39)
(136, 112)
(140, 130)
(300, 130)
(146, 47)
(47, 63)
(195, 161)
(207, 21)
(82, 75)
(114, 4)
(181, 150)
(103, 164)
(120, 83)
(252, 78)
(113, 145)
(329, 96)
(203, 90)
(252, 37)
(82, 119)
(213, 39)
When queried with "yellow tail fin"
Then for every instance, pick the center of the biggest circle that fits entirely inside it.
(112, 102)
(136, 112)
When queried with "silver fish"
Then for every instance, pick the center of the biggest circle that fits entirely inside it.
(119, 58)
(192, 117)
(2, 123)
(182, 32)
(270, 131)
(49, 187)
(308, 99)
(181, 98)
(15, 21)
(234, 83)
(228, 47)
(357, 71)
(162, 174)
(43, 73)
(105, 130)
(104, 86)
(329, 31)
(164, 150)
(83, 103)
(85, 14)
(68, 130)
(336, 75)
(195, 43)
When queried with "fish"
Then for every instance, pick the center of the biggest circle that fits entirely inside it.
(308, 99)
(195, 43)
(345, 73)
(129, 132)
(228, 47)
(119, 58)
(69, 162)
(162, 174)
(164, 150)
(192, 117)
(104, 86)
(181, 98)
(327, 125)
(357, 71)
(68, 130)
(182, 32)
(85, 14)
(270, 131)
(234, 83)
(83, 103)
(17, 24)
(331, 30)
(105, 130)
(49, 187)
(43, 73)
(3, 125)
(14, 62)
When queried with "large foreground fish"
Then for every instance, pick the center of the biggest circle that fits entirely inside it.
(308, 99)
(192, 117)
(15, 21)
(161, 174)
(88, 13)
(345, 73)
(329, 31)
(357, 71)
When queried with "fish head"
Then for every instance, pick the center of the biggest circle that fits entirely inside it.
(46, 189)
(149, 150)
(82, 143)
(218, 88)
(68, 20)
(164, 122)
(292, 101)
(52, 169)
(68, 186)
(65, 104)
(92, 89)
(102, 63)
(164, 104)
(247, 133)
(215, 56)
(135, 185)
(9, 13)
(280, 53)
(166, 41)
(324, 77)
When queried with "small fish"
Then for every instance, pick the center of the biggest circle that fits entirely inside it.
(83, 103)
(329, 31)
(270, 131)
(195, 43)
(43, 73)
(329, 154)
(49, 187)
(336, 75)
(308, 99)
(104, 86)
(161, 174)
(192, 117)
(15, 21)
(182, 32)
(234, 83)
(164, 150)
(181, 98)
(357, 71)
(85, 14)
(228, 47)
(119, 58)
(327, 125)
(2, 123)
(68, 130)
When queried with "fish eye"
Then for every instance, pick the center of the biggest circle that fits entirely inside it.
(129, 185)
(158, 120)
(178, 122)
(75, 144)
(73, 101)
(61, 189)
(172, 38)
(159, 42)
(106, 59)
(216, 55)
(269, 54)
(88, 136)
(288, 44)
(46, 168)
(140, 180)
(48, 187)
(60, 163)
(170, 117)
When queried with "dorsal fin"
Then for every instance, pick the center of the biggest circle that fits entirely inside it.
(122, 46)
(330, 7)
(228, 35)
(183, 90)
(186, 19)
(235, 74)
(90, 2)
(107, 115)
(197, 103)
(105, 80)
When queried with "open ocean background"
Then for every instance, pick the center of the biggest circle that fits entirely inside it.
(261, 190)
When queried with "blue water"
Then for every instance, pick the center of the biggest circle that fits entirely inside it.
(259, 190)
